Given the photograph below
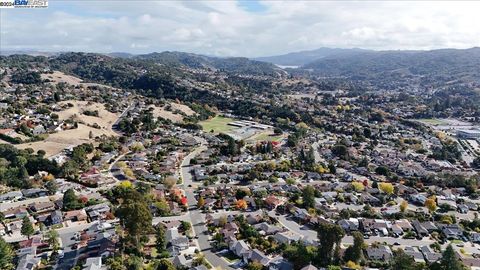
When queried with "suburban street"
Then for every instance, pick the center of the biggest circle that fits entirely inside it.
(195, 217)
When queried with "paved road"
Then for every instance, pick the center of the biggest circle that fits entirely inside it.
(196, 218)
(120, 118)
(183, 217)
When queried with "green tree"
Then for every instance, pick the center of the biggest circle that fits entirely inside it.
(161, 241)
(115, 263)
(449, 261)
(200, 202)
(402, 261)
(340, 150)
(382, 170)
(52, 240)
(164, 264)
(134, 262)
(298, 254)
(70, 169)
(308, 197)
(51, 187)
(27, 227)
(6, 255)
(254, 266)
(331, 168)
(363, 162)
(134, 214)
(329, 236)
(2, 219)
(354, 253)
(70, 200)
(162, 207)
(186, 226)
(56, 97)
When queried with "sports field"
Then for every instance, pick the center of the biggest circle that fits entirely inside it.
(432, 121)
(268, 136)
(218, 124)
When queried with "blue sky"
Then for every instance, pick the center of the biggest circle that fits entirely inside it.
(239, 28)
(252, 5)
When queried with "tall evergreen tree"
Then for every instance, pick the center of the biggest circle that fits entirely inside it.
(134, 214)
(402, 261)
(27, 227)
(329, 236)
(161, 243)
(6, 255)
(450, 261)
(354, 253)
(308, 197)
(70, 200)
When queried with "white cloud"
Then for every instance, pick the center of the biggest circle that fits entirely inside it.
(225, 28)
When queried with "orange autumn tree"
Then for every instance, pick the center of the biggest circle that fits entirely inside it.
(241, 204)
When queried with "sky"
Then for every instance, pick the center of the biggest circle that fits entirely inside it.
(239, 28)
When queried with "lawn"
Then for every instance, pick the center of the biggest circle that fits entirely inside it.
(268, 137)
(218, 124)
(431, 121)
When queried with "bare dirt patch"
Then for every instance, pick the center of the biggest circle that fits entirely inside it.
(183, 108)
(105, 118)
(56, 142)
(60, 77)
(171, 114)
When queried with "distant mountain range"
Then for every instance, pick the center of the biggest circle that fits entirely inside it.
(28, 52)
(432, 68)
(304, 57)
(385, 69)
(228, 64)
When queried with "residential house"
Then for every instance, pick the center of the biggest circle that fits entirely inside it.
(349, 225)
(273, 201)
(34, 192)
(287, 237)
(463, 208)
(94, 263)
(176, 240)
(452, 231)
(15, 213)
(55, 217)
(430, 255)
(475, 237)
(180, 261)
(98, 211)
(241, 249)
(28, 262)
(267, 229)
(259, 257)
(10, 196)
(381, 252)
(41, 207)
(404, 224)
(280, 263)
(309, 267)
(415, 253)
(75, 215)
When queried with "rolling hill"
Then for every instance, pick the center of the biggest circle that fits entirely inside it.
(304, 57)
